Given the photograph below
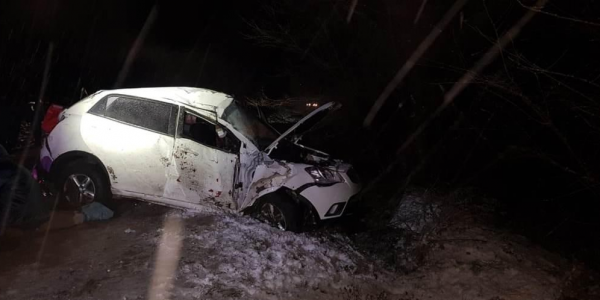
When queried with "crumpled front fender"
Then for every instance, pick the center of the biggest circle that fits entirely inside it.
(268, 178)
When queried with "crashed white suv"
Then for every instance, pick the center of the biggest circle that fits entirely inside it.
(183, 147)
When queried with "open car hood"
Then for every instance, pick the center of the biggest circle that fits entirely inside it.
(306, 123)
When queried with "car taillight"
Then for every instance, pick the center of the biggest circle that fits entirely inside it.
(54, 115)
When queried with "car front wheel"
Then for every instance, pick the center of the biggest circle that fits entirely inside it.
(278, 212)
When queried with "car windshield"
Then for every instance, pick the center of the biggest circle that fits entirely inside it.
(243, 120)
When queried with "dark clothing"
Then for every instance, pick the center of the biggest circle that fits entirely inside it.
(20, 196)
(3, 152)
(10, 126)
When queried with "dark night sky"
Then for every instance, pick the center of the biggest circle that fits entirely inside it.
(190, 44)
(201, 43)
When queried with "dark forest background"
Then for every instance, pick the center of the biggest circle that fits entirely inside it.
(525, 130)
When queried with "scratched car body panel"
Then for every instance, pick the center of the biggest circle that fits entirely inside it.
(186, 146)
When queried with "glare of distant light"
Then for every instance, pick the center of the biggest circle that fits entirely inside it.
(167, 258)
(312, 104)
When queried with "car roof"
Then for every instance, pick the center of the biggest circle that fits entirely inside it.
(189, 96)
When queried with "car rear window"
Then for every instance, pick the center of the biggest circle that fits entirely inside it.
(148, 114)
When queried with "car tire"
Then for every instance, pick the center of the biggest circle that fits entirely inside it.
(279, 212)
(94, 186)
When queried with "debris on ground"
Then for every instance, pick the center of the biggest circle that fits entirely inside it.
(60, 219)
(96, 212)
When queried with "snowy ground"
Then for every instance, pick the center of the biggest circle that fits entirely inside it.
(182, 255)
(151, 252)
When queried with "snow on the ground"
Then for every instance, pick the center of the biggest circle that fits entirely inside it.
(244, 258)
(155, 253)
(449, 253)
(415, 213)
(478, 264)
(212, 254)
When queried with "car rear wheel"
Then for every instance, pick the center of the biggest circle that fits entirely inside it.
(82, 183)
(278, 212)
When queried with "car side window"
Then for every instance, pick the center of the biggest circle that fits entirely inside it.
(149, 114)
(199, 130)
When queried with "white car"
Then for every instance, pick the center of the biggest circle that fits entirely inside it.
(182, 147)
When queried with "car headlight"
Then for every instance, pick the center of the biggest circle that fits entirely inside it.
(323, 176)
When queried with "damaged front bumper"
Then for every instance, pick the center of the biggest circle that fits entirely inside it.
(330, 201)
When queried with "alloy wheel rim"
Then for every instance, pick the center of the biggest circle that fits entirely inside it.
(79, 189)
(273, 216)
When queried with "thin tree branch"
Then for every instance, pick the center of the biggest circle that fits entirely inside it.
(421, 8)
(412, 60)
(538, 9)
(351, 11)
(468, 77)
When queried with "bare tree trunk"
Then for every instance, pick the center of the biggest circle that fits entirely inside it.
(135, 48)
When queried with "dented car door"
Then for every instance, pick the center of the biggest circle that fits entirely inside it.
(204, 159)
